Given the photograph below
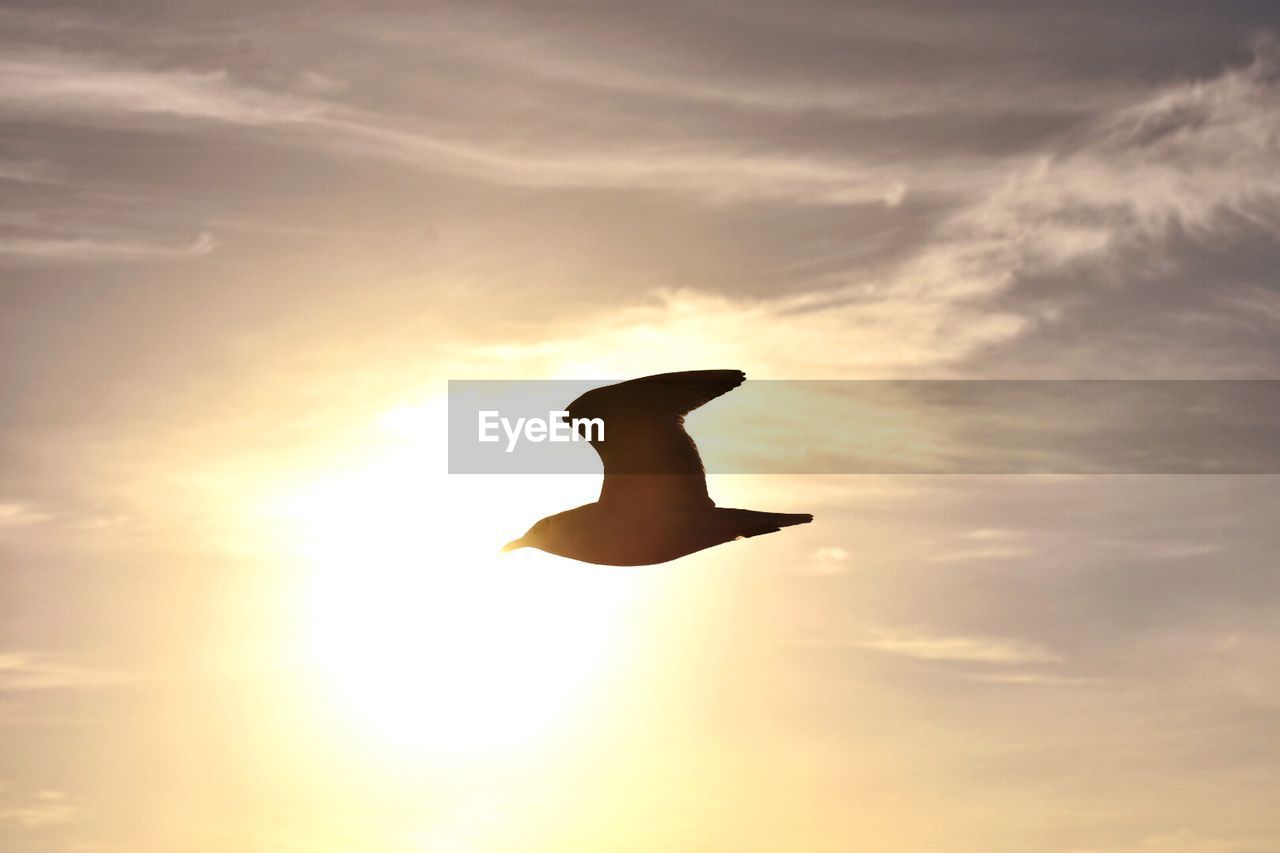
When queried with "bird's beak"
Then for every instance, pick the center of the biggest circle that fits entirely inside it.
(514, 544)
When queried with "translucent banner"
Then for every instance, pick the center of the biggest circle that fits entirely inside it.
(895, 427)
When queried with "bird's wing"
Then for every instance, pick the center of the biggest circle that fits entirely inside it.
(648, 457)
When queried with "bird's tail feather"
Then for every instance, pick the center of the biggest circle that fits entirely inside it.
(754, 523)
(787, 519)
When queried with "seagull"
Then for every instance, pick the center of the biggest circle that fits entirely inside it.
(653, 506)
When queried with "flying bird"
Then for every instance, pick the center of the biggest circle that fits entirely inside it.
(653, 506)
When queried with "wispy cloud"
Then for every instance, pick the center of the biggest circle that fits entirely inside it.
(1029, 679)
(18, 514)
(15, 249)
(960, 648)
(581, 66)
(36, 809)
(1183, 841)
(1195, 159)
(827, 561)
(923, 645)
(27, 171)
(1010, 552)
(1183, 156)
(98, 91)
(987, 534)
(1114, 189)
(54, 85)
(20, 671)
(987, 544)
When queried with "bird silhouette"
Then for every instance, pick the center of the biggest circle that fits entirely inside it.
(653, 505)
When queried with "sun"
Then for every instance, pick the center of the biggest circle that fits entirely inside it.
(420, 631)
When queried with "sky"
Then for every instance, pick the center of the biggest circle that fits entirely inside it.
(243, 246)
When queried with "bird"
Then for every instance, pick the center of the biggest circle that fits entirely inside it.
(653, 505)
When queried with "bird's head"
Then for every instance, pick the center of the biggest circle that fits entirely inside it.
(538, 536)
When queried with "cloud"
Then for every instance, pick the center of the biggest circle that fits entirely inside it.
(893, 337)
(321, 84)
(1029, 679)
(894, 196)
(1195, 161)
(20, 671)
(53, 85)
(986, 534)
(1135, 248)
(923, 645)
(26, 171)
(1009, 552)
(37, 809)
(92, 250)
(18, 514)
(827, 561)
(1186, 156)
(1184, 841)
(753, 58)
(1198, 161)
(92, 90)
(994, 544)
(996, 650)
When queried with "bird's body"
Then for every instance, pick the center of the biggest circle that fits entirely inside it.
(623, 535)
(654, 505)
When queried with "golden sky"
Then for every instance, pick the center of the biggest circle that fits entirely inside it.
(243, 246)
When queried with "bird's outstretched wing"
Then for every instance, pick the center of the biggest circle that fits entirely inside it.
(648, 457)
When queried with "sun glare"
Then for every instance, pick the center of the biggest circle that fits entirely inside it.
(415, 623)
